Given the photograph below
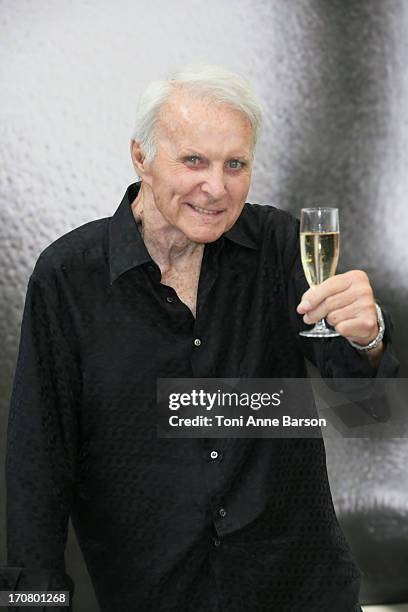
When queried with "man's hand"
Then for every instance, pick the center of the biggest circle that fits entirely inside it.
(347, 303)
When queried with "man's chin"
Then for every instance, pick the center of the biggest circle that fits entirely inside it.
(204, 235)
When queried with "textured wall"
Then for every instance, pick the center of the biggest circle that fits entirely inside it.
(331, 75)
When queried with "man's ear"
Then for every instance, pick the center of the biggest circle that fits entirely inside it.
(138, 159)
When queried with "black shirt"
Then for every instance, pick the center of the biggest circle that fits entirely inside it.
(162, 525)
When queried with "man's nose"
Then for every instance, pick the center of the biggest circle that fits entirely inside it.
(214, 184)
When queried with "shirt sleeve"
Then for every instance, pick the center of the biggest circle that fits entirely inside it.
(41, 446)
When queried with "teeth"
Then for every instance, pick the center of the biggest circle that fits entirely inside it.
(203, 210)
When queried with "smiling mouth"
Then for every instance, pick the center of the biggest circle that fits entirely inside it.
(205, 211)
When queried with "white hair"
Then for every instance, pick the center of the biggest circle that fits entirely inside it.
(212, 82)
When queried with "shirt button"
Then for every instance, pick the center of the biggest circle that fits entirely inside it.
(217, 542)
(214, 454)
(170, 299)
(197, 342)
(222, 512)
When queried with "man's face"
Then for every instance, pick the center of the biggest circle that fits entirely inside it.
(201, 173)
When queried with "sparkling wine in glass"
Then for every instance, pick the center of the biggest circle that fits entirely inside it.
(319, 251)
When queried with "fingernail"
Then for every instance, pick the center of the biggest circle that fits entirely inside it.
(305, 304)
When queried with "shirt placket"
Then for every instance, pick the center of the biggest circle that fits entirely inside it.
(213, 450)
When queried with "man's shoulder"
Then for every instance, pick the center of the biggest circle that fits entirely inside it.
(71, 250)
(264, 221)
(268, 213)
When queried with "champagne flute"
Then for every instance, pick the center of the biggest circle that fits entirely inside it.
(319, 251)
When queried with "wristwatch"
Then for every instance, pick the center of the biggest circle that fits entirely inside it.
(379, 336)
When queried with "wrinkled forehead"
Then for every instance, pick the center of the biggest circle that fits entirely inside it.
(189, 119)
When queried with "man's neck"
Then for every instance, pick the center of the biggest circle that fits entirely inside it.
(167, 245)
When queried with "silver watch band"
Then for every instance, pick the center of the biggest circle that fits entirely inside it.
(379, 336)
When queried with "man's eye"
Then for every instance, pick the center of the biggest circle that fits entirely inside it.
(236, 163)
(192, 159)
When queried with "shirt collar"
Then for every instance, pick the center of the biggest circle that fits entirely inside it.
(243, 232)
(127, 249)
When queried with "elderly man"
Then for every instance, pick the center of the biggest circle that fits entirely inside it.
(184, 280)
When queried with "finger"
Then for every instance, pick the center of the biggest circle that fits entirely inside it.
(315, 295)
(334, 316)
(336, 284)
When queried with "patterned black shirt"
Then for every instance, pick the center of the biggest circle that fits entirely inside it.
(167, 524)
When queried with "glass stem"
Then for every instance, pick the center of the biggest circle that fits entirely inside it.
(320, 325)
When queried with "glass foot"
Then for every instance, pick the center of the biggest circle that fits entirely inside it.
(319, 333)
(320, 330)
